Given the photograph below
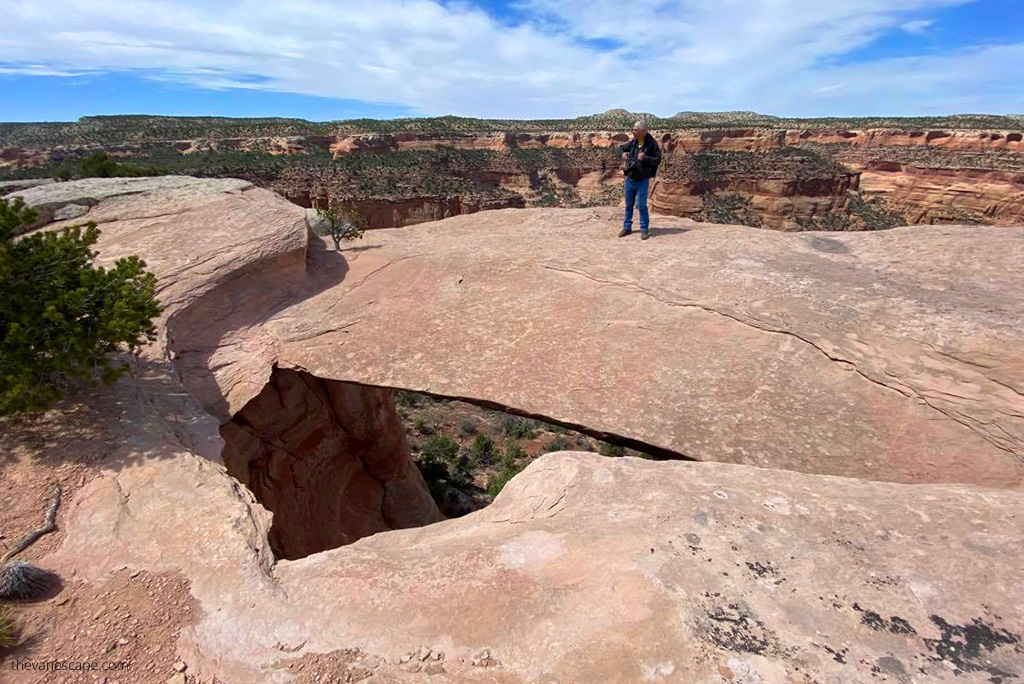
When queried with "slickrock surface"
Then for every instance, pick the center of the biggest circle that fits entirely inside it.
(894, 355)
(884, 356)
(891, 356)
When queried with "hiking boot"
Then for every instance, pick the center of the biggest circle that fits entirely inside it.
(625, 231)
(645, 234)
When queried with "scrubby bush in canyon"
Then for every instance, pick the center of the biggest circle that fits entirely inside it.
(406, 399)
(557, 443)
(512, 463)
(862, 214)
(874, 213)
(729, 209)
(483, 450)
(466, 428)
(442, 466)
(611, 450)
(518, 428)
(61, 317)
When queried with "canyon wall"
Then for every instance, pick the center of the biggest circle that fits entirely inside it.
(329, 459)
(778, 203)
(973, 141)
(926, 175)
(947, 195)
(726, 139)
(382, 212)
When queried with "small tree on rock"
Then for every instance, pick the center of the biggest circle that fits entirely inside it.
(341, 222)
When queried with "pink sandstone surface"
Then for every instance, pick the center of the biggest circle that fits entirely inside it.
(855, 402)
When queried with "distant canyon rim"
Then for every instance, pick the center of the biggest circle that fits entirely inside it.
(788, 174)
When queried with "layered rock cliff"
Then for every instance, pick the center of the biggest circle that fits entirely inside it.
(401, 173)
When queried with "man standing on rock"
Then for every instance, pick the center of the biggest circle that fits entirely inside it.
(642, 157)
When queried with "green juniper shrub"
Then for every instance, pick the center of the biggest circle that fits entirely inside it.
(483, 450)
(421, 427)
(442, 447)
(407, 399)
(498, 481)
(462, 471)
(341, 222)
(466, 428)
(442, 466)
(612, 450)
(649, 457)
(518, 428)
(98, 165)
(512, 463)
(61, 317)
(102, 165)
(513, 452)
(558, 443)
(15, 218)
(435, 474)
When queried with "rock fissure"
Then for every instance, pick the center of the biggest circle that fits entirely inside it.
(381, 268)
(661, 453)
(311, 336)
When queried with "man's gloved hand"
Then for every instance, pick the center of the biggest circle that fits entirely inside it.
(641, 156)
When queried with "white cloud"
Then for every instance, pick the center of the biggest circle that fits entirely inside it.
(41, 70)
(666, 55)
(917, 27)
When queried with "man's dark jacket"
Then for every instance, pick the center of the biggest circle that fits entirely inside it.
(646, 167)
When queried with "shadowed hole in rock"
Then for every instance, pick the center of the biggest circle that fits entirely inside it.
(337, 461)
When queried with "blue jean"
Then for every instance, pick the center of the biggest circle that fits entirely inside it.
(636, 193)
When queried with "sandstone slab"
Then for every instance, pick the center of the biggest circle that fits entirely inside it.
(893, 355)
(592, 569)
(854, 354)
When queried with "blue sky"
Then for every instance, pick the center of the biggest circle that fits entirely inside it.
(329, 59)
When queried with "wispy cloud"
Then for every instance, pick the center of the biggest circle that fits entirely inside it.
(40, 70)
(559, 57)
(918, 26)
